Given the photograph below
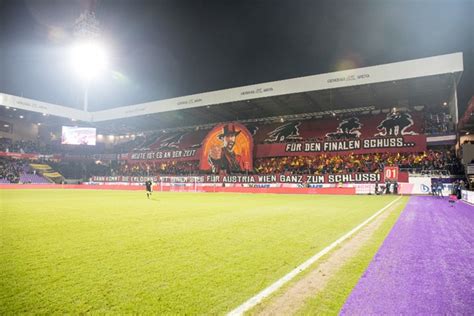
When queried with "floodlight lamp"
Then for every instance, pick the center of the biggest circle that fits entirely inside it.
(88, 58)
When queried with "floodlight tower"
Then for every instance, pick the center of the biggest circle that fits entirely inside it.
(88, 55)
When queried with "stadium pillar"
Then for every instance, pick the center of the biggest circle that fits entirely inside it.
(453, 104)
(86, 96)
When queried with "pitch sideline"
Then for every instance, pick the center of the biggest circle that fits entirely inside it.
(253, 301)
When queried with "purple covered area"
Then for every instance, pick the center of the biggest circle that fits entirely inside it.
(424, 267)
(32, 178)
(18, 171)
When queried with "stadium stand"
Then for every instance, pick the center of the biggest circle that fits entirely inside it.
(18, 171)
(417, 136)
(82, 162)
(427, 162)
(83, 169)
(430, 162)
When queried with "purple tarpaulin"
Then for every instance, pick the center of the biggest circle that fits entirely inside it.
(425, 265)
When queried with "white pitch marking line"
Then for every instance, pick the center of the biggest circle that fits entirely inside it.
(240, 310)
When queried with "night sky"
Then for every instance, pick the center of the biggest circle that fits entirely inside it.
(164, 49)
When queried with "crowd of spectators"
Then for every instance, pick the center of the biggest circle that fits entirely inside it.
(55, 147)
(10, 170)
(325, 164)
(438, 123)
(19, 146)
(430, 162)
(84, 169)
(427, 162)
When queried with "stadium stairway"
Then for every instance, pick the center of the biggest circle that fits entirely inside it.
(47, 173)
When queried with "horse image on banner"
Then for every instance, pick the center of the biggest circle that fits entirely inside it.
(171, 141)
(347, 129)
(396, 124)
(288, 131)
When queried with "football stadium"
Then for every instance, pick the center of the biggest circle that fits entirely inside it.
(207, 158)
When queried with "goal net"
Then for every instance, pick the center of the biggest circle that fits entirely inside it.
(179, 184)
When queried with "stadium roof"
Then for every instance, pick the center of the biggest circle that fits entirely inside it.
(425, 82)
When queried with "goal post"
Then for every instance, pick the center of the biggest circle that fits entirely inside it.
(180, 184)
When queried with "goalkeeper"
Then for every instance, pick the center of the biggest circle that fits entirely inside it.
(148, 185)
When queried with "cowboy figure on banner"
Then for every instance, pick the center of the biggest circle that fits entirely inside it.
(396, 124)
(347, 129)
(224, 158)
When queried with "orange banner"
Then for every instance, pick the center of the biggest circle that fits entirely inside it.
(227, 147)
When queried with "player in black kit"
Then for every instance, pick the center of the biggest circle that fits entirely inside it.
(148, 185)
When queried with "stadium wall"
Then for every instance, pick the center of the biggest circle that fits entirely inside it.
(19, 130)
(468, 196)
(419, 188)
(414, 185)
(336, 191)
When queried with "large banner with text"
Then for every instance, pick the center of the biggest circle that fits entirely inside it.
(354, 146)
(255, 179)
(231, 146)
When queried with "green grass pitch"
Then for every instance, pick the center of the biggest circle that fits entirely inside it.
(66, 251)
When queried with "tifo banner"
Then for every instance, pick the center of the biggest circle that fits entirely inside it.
(161, 146)
(282, 178)
(390, 132)
(333, 147)
(133, 179)
(405, 144)
(334, 128)
(227, 147)
(251, 179)
(165, 155)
